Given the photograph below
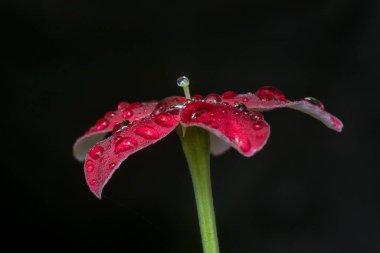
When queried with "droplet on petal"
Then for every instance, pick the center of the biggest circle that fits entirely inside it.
(92, 182)
(164, 120)
(102, 124)
(96, 152)
(124, 144)
(122, 105)
(127, 114)
(258, 125)
(245, 99)
(241, 106)
(268, 93)
(135, 105)
(240, 140)
(89, 163)
(183, 81)
(89, 168)
(213, 98)
(315, 101)
(112, 166)
(256, 116)
(229, 95)
(147, 132)
(110, 114)
(121, 126)
(197, 97)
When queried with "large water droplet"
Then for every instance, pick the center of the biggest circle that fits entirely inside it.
(89, 168)
(241, 106)
(101, 124)
(229, 95)
(147, 132)
(96, 152)
(315, 101)
(164, 120)
(240, 140)
(124, 144)
(183, 81)
(122, 105)
(268, 93)
(127, 114)
(213, 98)
(120, 127)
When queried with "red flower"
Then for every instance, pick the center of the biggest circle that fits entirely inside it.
(232, 120)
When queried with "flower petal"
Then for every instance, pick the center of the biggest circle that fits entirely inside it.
(106, 156)
(217, 145)
(96, 133)
(245, 131)
(309, 105)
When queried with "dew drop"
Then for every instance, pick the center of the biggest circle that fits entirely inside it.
(258, 125)
(89, 168)
(120, 127)
(183, 81)
(110, 114)
(229, 95)
(239, 140)
(213, 98)
(101, 124)
(245, 99)
(96, 152)
(127, 114)
(122, 105)
(223, 111)
(256, 116)
(241, 106)
(315, 101)
(147, 132)
(112, 166)
(124, 144)
(268, 93)
(89, 162)
(164, 120)
(92, 182)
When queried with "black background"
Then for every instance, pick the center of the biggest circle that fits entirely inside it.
(310, 189)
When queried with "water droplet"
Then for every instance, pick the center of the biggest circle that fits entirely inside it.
(147, 132)
(122, 105)
(223, 111)
(197, 97)
(256, 116)
(124, 144)
(183, 81)
(89, 168)
(245, 99)
(112, 166)
(101, 124)
(196, 114)
(241, 106)
(120, 127)
(127, 114)
(257, 125)
(96, 152)
(315, 101)
(213, 98)
(92, 182)
(229, 95)
(89, 162)
(268, 93)
(164, 120)
(110, 114)
(239, 140)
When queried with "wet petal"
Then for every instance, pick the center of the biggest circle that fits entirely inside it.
(308, 106)
(106, 156)
(218, 146)
(245, 131)
(96, 133)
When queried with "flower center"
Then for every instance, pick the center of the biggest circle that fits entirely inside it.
(184, 82)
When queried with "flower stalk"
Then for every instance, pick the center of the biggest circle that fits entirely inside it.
(196, 146)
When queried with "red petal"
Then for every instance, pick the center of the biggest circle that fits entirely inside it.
(314, 109)
(106, 156)
(96, 133)
(243, 130)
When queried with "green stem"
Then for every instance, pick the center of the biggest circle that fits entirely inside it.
(196, 145)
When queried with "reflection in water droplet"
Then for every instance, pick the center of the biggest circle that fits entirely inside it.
(101, 124)
(147, 132)
(314, 101)
(241, 106)
(118, 128)
(124, 144)
(183, 81)
(268, 93)
(96, 152)
(127, 114)
(213, 98)
(122, 105)
(164, 120)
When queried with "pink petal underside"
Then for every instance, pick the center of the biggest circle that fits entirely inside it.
(245, 131)
(96, 133)
(252, 102)
(106, 156)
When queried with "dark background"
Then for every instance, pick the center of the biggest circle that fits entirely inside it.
(310, 189)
